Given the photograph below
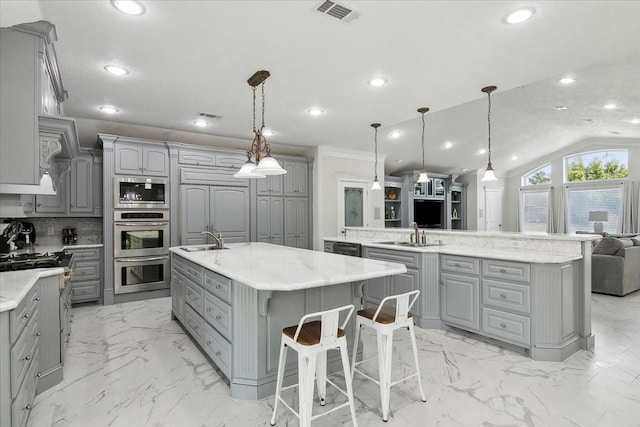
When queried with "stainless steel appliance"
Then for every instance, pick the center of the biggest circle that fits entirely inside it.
(141, 274)
(37, 260)
(141, 193)
(140, 233)
(344, 248)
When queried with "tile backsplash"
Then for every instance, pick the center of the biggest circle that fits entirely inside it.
(89, 229)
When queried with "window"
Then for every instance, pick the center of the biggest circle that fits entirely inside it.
(597, 165)
(538, 176)
(534, 211)
(581, 201)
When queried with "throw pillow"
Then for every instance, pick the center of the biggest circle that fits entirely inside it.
(608, 246)
(627, 242)
(636, 241)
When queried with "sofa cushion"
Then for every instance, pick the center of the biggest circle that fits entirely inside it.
(609, 246)
(636, 241)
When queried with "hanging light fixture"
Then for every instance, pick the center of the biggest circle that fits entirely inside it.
(423, 173)
(376, 184)
(489, 173)
(259, 165)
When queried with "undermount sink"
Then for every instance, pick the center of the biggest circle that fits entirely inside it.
(202, 248)
(409, 244)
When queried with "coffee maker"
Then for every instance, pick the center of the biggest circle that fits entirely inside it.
(69, 236)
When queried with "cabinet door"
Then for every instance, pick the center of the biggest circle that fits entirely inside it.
(81, 185)
(128, 159)
(231, 161)
(461, 301)
(296, 179)
(98, 180)
(290, 222)
(194, 204)
(302, 222)
(58, 202)
(155, 161)
(302, 179)
(407, 282)
(276, 220)
(375, 290)
(229, 213)
(270, 186)
(263, 210)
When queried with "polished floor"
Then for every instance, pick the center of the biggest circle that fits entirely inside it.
(130, 365)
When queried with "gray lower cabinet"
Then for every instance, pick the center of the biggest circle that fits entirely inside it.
(86, 284)
(270, 219)
(296, 222)
(205, 207)
(461, 300)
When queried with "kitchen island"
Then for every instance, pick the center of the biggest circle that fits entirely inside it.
(234, 302)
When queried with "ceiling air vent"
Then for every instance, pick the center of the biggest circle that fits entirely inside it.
(210, 116)
(337, 11)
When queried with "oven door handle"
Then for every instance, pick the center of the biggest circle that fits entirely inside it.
(155, 258)
(140, 224)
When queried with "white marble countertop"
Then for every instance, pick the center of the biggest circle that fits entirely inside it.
(54, 248)
(520, 255)
(14, 285)
(270, 267)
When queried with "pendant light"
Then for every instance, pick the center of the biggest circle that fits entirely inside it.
(258, 165)
(376, 184)
(423, 173)
(489, 173)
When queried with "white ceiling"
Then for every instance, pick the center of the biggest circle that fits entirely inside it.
(187, 57)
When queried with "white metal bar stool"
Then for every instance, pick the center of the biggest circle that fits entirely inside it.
(311, 341)
(385, 320)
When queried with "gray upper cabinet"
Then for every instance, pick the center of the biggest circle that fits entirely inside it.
(233, 161)
(98, 180)
(56, 203)
(296, 222)
(270, 220)
(81, 184)
(270, 186)
(296, 180)
(196, 158)
(137, 159)
(194, 209)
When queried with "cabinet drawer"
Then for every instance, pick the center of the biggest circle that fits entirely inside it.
(218, 285)
(506, 326)
(85, 254)
(508, 296)
(328, 247)
(195, 297)
(21, 406)
(22, 354)
(460, 264)
(218, 349)
(218, 314)
(86, 271)
(178, 263)
(193, 272)
(194, 324)
(410, 259)
(506, 270)
(85, 291)
(19, 317)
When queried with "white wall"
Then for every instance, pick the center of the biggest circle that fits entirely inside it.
(476, 209)
(330, 165)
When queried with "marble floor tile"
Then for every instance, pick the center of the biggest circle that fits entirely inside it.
(130, 365)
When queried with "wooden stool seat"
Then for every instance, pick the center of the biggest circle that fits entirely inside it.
(386, 315)
(309, 333)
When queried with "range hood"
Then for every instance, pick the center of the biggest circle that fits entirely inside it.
(58, 145)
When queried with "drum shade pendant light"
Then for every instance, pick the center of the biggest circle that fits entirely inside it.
(376, 184)
(489, 173)
(423, 173)
(259, 165)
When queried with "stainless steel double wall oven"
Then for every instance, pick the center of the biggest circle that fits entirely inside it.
(141, 234)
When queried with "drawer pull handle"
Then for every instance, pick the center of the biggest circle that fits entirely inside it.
(502, 270)
(457, 265)
(26, 316)
(39, 374)
(208, 309)
(503, 325)
(38, 333)
(218, 286)
(208, 342)
(37, 299)
(208, 281)
(218, 353)
(28, 407)
(503, 296)
(218, 317)
(27, 357)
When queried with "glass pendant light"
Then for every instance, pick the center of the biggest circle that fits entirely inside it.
(489, 173)
(376, 184)
(423, 173)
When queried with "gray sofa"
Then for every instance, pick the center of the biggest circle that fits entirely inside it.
(615, 266)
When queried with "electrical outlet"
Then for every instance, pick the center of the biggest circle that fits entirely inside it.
(50, 231)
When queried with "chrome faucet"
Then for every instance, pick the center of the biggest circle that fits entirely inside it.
(218, 239)
(415, 234)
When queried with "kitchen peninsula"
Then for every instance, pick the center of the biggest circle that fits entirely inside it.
(234, 302)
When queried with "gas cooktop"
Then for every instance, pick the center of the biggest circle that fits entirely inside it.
(14, 262)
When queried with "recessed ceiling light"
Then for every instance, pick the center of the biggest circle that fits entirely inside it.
(634, 121)
(130, 7)
(614, 132)
(116, 70)
(399, 161)
(378, 81)
(610, 106)
(520, 15)
(108, 109)
(395, 134)
(567, 80)
(560, 108)
(514, 157)
(200, 123)
(267, 132)
(463, 169)
(481, 151)
(315, 111)
(448, 144)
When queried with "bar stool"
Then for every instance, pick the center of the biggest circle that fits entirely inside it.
(311, 341)
(385, 320)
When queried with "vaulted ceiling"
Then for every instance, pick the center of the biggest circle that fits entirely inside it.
(187, 57)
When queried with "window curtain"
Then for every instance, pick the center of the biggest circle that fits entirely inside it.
(557, 209)
(629, 209)
(550, 220)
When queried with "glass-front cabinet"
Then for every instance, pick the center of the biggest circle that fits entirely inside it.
(393, 213)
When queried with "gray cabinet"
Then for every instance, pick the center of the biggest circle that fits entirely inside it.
(81, 181)
(296, 180)
(139, 159)
(204, 208)
(296, 222)
(56, 203)
(98, 187)
(86, 284)
(270, 186)
(461, 300)
(270, 220)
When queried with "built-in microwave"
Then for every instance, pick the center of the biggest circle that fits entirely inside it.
(141, 193)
